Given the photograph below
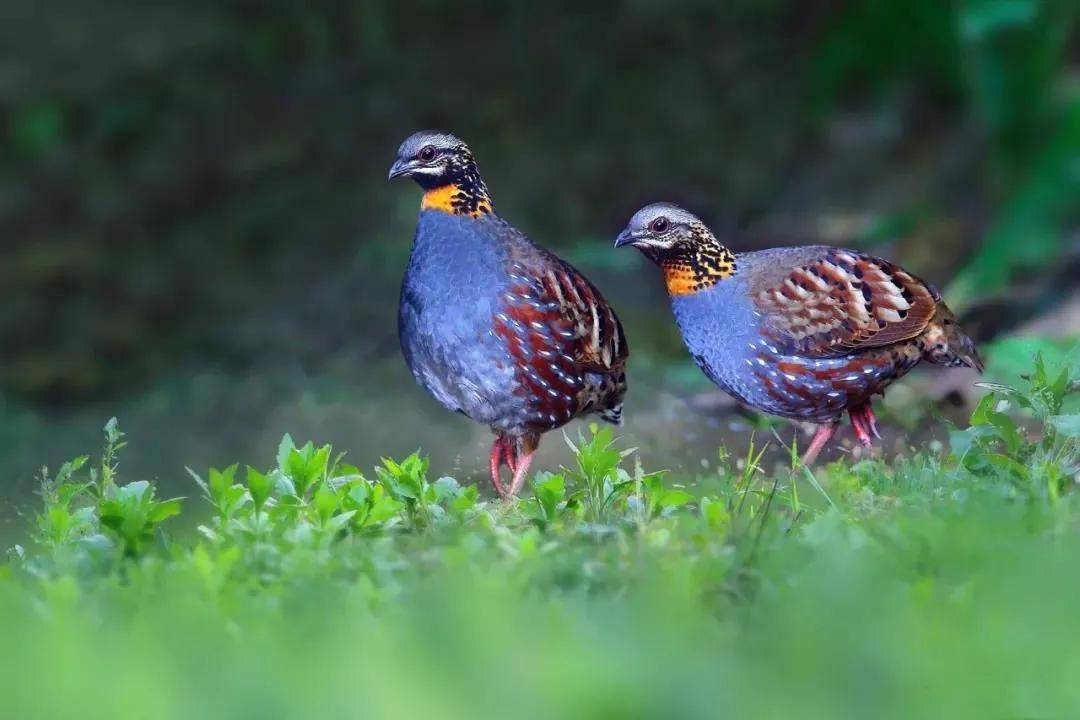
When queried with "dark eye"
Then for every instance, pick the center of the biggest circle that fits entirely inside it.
(427, 153)
(659, 225)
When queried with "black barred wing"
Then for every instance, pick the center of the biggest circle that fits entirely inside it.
(844, 301)
(565, 341)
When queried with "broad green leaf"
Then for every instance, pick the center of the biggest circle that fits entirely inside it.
(359, 493)
(674, 498)
(221, 481)
(285, 448)
(384, 508)
(465, 500)
(549, 490)
(446, 487)
(259, 486)
(326, 502)
(164, 510)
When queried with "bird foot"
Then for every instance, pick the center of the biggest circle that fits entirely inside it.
(522, 467)
(505, 450)
(498, 454)
(510, 454)
(865, 424)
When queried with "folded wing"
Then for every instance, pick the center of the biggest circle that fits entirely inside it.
(842, 301)
(566, 343)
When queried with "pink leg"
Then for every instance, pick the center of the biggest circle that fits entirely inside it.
(510, 454)
(872, 421)
(865, 424)
(821, 437)
(523, 463)
(498, 448)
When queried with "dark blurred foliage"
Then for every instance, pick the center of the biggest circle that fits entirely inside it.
(201, 185)
(174, 173)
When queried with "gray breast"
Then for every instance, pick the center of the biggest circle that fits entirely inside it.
(448, 298)
(719, 327)
(722, 330)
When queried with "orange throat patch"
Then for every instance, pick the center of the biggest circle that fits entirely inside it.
(681, 279)
(687, 275)
(457, 200)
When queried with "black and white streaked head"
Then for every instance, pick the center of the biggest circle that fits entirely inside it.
(690, 256)
(434, 159)
(443, 166)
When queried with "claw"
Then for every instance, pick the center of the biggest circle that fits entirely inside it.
(517, 453)
(865, 424)
(872, 421)
(497, 454)
(519, 473)
(510, 454)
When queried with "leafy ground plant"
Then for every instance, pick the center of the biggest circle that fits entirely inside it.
(932, 586)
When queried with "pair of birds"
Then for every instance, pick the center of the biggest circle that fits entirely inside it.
(501, 330)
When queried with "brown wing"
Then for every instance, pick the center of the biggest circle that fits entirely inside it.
(564, 339)
(843, 301)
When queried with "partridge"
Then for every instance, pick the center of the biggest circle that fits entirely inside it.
(494, 326)
(807, 333)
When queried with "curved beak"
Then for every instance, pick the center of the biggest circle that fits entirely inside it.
(400, 168)
(626, 237)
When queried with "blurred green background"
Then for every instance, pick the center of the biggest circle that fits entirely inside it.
(198, 236)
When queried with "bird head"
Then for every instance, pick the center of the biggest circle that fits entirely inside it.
(444, 167)
(690, 256)
(662, 228)
(433, 159)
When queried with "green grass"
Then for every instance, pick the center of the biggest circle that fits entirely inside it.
(942, 585)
